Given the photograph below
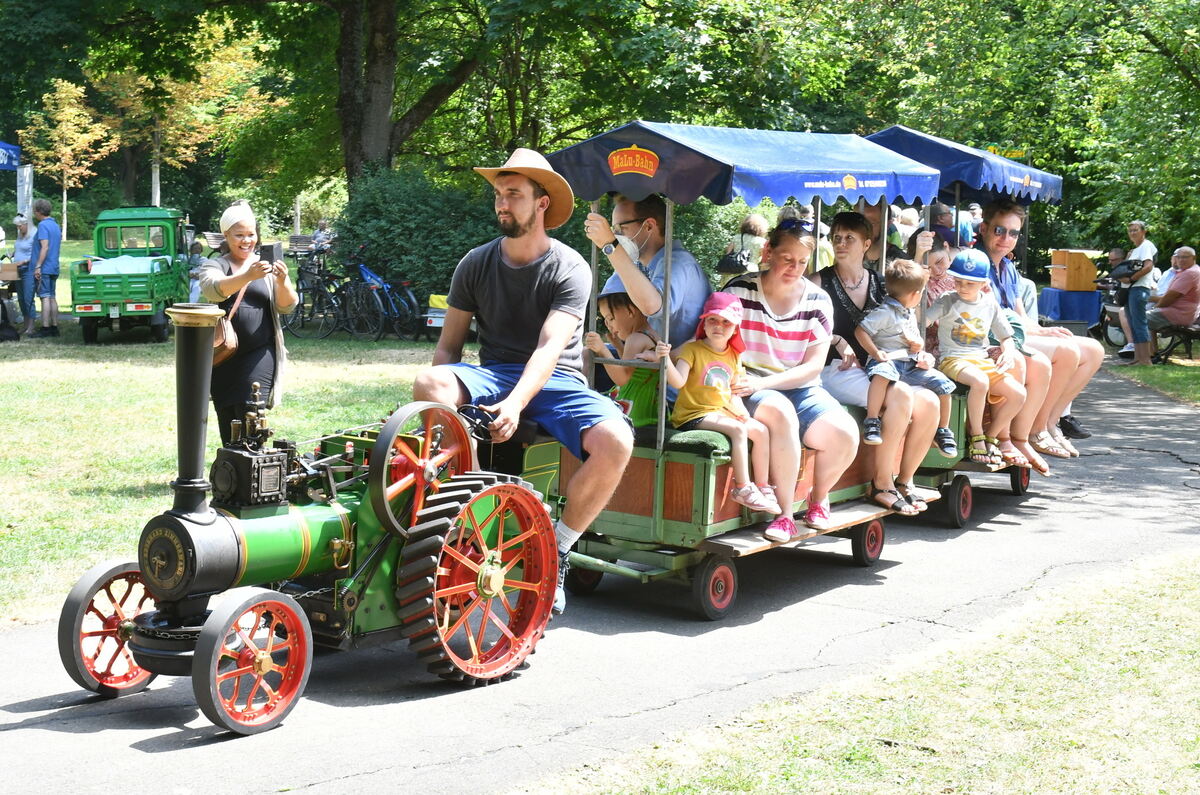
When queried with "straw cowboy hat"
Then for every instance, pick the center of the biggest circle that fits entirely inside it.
(537, 168)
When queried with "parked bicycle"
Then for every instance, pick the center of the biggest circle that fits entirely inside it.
(320, 310)
(394, 305)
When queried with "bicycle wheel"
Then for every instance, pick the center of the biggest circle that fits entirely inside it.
(364, 313)
(407, 321)
(315, 316)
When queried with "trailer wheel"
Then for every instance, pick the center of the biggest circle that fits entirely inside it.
(959, 499)
(582, 582)
(159, 332)
(94, 629)
(714, 587)
(866, 542)
(477, 578)
(90, 328)
(420, 446)
(1019, 480)
(252, 660)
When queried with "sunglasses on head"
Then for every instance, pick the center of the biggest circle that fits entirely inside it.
(1001, 231)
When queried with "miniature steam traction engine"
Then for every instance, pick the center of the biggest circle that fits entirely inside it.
(379, 533)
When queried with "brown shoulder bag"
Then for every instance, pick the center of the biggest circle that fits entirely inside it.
(225, 341)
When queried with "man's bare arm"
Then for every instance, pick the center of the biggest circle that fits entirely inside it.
(454, 334)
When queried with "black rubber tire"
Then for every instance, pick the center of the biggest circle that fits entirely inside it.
(160, 332)
(90, 328)
(407, 324)
(211, 652)
(959, 500)
(714, 587)
(315, 317)
(81, 605)
(1018, 478)
(365, 317)
(866, 542)
(424, 560)
(581, 582)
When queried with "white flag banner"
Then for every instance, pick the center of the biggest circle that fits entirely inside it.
(25, 190)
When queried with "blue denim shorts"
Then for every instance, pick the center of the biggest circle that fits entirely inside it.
(906, 370)
(564, 407)
(810, 403)
(46, 285)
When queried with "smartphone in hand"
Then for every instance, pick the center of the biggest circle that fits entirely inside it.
(271, 252)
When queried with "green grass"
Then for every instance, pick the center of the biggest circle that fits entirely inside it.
(1094, 692)
(90, 448)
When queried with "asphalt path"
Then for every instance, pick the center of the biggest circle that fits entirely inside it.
(630, 665)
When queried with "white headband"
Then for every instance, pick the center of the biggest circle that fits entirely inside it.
(238, 213)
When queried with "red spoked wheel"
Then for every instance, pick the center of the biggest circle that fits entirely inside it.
(477, 579)
(252, 660)
(866, 542)
(419, 447)
(95, 625)
(714, 587)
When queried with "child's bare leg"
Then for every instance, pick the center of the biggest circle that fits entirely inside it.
(760, 452)
(1013, 395)
(875, 395)
(943, 411)
(976, 381)
(736, 431)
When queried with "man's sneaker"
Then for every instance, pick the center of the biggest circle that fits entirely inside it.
(1072, 429)
(560, 593)
(872, 431)
(781, 529)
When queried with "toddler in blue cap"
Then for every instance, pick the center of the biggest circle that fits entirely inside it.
(964, 318)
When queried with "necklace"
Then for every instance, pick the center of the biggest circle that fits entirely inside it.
(857, 284)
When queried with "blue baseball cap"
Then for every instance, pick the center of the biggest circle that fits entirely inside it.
(970, 265)
(613, 285)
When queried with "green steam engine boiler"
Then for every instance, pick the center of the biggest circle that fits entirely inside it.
(371, 534)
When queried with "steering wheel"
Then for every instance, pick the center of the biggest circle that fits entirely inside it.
(477, 420)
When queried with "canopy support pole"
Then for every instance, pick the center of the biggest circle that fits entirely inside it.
(883, 225)
(660, 468)
(957, 201)
(814, 260)
(591, 308)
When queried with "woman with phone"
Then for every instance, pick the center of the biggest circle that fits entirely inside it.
(253, 290)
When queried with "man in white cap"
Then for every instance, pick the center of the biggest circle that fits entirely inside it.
(528, 293)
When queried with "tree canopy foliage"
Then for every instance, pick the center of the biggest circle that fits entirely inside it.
(1105, 93)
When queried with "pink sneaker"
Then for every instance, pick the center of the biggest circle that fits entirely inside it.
(817, 516)
(782, 528)
(752, 498)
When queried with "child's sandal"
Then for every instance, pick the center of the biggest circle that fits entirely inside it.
(993, 448)
(978, 450)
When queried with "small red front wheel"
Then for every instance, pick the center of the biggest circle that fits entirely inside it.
(959, 500)
(714, 587)
(94, 629)
(252, 660)
(866, 542)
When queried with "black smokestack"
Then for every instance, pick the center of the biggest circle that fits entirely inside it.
(194, 330)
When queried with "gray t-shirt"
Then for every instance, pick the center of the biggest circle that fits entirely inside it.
(511, 304)
(963, 326)
(888, 325)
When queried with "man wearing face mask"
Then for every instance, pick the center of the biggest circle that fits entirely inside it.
(643, 224)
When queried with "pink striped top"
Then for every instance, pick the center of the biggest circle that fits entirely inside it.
(775, 343)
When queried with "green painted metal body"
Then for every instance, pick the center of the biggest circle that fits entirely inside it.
(290, 542)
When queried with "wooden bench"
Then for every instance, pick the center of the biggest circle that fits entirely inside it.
(299, 244)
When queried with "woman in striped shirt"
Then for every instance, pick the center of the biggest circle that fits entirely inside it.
(786, 327)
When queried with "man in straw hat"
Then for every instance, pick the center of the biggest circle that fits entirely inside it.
(528, 293)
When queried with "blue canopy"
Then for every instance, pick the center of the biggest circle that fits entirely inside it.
(980, 175)
(10, 156)
(684, 162)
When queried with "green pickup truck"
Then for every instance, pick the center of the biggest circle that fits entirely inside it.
(139, 269)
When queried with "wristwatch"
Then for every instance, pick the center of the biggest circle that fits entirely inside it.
(609, 248)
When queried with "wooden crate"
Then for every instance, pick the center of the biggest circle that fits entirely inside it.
(1071, 269)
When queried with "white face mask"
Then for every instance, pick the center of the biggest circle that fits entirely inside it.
(631, 248)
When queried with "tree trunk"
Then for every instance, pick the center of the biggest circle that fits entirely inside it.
(64, 202)
(155, 166)
(129, 174)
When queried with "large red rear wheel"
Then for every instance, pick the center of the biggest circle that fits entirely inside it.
(419, 447)
(95, 625)
(252, 660)
(477, 578)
